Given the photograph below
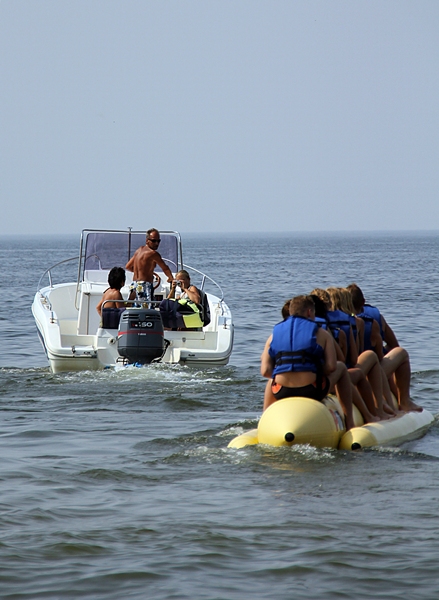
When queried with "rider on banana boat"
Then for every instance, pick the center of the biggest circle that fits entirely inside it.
(395, 363)
(300, 359)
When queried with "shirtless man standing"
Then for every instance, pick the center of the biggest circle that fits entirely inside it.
(142, 266)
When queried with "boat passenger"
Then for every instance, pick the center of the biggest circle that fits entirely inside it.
(363, 374)
(357, 324)
(301, 359)
(116, 281)
(142, 265)
(395, 363)
(386, 331)
(184, 312)
(337, 333)
(189, 291)
(339, 319)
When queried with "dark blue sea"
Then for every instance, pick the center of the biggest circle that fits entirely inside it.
(119, 484)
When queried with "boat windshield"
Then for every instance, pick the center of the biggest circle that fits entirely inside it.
(103, 250)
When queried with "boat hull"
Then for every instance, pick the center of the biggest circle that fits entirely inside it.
(68, 350)
(294, 421)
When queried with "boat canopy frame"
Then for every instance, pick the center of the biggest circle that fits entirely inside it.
(103, 249)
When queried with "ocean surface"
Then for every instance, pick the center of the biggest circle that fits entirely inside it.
(119, 484)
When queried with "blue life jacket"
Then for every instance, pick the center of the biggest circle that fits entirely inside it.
(321, 323)
(368, 322)
(294, 347)
(373, 312)
(353, 322)
(339, 320)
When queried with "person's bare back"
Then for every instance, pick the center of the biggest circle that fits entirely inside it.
(145, 259)
(142, 264)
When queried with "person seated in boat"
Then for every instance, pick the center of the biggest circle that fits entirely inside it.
(116, 281)
(300, 359)
(185, 311)
(395, 362)
(142, 265)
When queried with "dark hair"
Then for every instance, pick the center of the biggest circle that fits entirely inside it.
(285, 310)
(320, 306)
(358, 299)
(152, 230)
(300, 304)
(116, 278)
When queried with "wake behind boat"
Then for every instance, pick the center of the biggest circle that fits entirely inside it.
(74, 337)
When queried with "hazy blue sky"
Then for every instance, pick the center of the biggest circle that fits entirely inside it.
(227, 115)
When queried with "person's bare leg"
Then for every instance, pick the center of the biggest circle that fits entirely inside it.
(343, 386)
(368, 417)
(368, 363)
(397, 361)
(363, 387)
(269, 398)
(391, 399)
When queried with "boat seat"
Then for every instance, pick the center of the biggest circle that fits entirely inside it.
(111, 317)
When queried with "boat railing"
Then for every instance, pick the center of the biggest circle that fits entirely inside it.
(48, 272)
(203, 280)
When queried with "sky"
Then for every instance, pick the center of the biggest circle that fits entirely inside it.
(219, 115)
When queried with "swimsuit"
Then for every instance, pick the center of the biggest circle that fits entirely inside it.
(308, 391)
(144, 292)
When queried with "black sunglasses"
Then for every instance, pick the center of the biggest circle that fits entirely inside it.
(154, 241)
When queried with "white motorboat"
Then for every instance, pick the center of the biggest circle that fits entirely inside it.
(75, 338)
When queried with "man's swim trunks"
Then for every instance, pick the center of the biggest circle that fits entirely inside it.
(307, 391)
(144, 292)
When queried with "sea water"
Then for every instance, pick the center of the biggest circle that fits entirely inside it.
(119, 483)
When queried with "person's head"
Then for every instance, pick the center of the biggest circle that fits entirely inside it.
(320, 306)
(358, 299)
(184, 277)
(153, 238)
(324, 297)
(335, 296)
(302, 306)
(346, 304)
(116, 278)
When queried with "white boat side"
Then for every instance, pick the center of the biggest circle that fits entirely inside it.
(70, 328)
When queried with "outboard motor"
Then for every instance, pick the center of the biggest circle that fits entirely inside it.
(140, 337)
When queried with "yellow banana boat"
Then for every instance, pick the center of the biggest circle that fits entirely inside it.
(294, 421)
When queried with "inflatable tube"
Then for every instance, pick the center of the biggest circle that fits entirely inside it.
(404, 428)
(293, 421)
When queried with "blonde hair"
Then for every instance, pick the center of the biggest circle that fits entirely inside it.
(347, 305)
(334, 294)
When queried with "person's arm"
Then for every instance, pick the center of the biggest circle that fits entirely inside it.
(360, 335)
(166, 270)
(389, 336)
(192, 294)
(353, 358)
(376, 340)
(343, 344)
(172, 290)
(324, 340)
(130, 264)
(267, 363)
